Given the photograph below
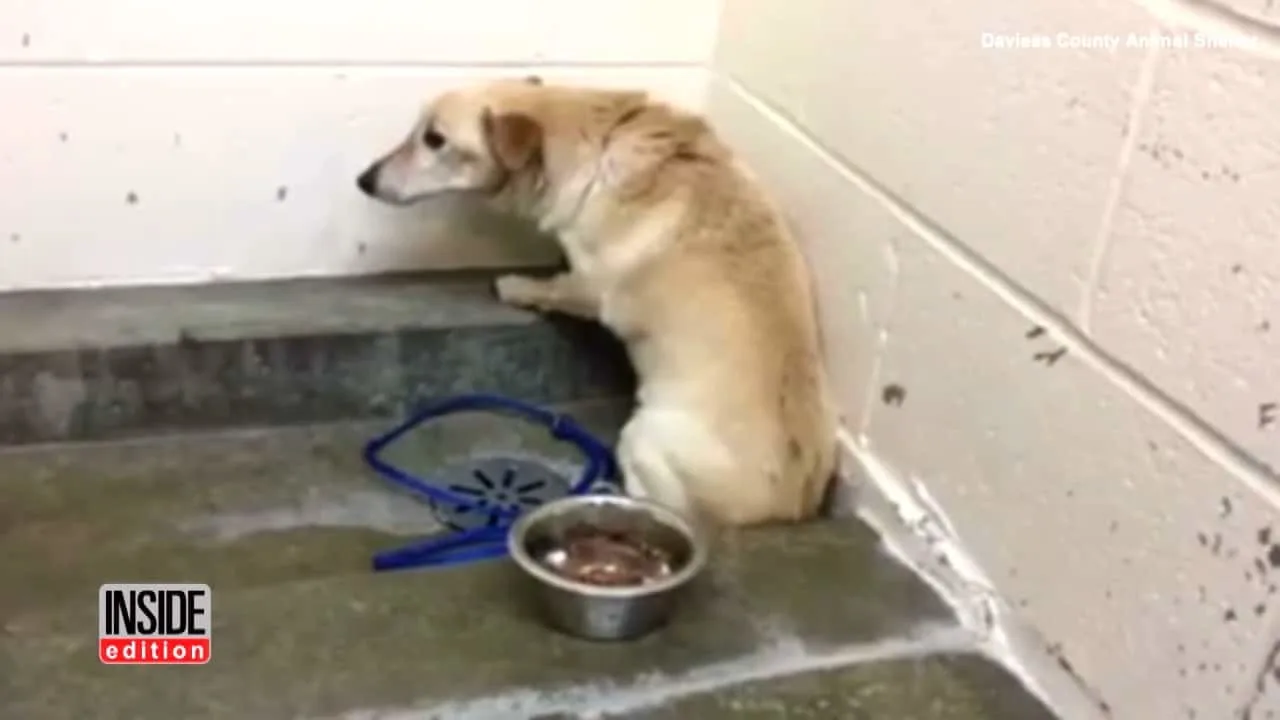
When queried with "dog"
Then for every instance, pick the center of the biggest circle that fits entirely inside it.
(673, 246)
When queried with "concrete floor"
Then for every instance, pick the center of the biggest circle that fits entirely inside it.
(809, 622)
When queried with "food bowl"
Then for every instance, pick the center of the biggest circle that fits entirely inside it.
(607, 567)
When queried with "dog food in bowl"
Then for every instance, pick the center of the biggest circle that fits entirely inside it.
(607, 559)
(607, 567)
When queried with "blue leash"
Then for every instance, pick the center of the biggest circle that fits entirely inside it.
(486, 542)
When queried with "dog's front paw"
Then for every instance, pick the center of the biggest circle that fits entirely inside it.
(519, 290)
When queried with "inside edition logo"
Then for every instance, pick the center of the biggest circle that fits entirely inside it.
(141, 624)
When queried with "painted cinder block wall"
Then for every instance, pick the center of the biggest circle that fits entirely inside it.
(1051, 290)
(1049, 278)
(156, 141)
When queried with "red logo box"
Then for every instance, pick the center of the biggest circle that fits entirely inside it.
(154, 624)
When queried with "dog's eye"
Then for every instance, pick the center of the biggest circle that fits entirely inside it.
(432, 139)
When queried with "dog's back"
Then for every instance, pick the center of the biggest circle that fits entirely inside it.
(722, 327)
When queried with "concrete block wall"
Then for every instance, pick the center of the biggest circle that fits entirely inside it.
(1049, 275)
(150, 141)
(1051, 289)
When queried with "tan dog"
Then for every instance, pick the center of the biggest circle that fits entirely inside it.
(674, 248)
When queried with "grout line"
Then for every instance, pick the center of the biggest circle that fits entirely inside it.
(1261, 38)
(1138, 105)
(1251, 471)
(782, 658)
(467, 66)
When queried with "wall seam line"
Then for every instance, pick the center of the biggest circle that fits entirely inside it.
(1136, 116)
(1211, 443)
(1213, 19)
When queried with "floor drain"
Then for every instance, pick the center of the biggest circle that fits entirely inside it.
(494, 486)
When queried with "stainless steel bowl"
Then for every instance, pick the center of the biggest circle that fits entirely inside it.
(598, 612)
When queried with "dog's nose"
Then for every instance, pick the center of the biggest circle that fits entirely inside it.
(368, 180)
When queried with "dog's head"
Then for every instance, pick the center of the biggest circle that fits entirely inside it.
(471, 139)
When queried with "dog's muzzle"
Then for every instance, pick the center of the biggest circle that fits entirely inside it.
(368, 180)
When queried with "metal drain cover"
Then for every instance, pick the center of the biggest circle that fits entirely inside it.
(495, 484)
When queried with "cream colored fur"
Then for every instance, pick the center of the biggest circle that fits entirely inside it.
(677, 250)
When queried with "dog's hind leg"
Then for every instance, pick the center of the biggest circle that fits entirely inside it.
(670, 457)
(644, 456)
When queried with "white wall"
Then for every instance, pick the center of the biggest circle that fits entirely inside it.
(148, 141)
(1049, 278)
(1068, 263)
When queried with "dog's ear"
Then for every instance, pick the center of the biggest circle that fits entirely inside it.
(514, 138)
(533, 80)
